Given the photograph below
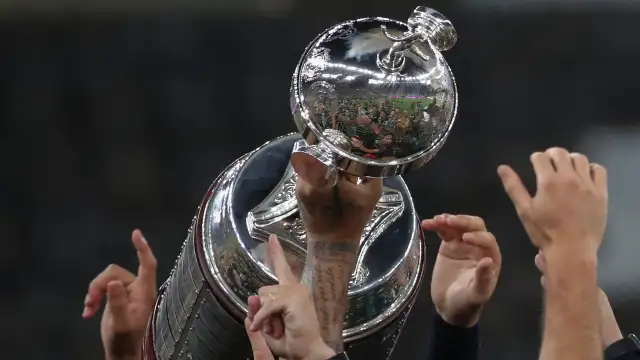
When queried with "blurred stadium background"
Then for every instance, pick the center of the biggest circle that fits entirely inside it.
(118, 114)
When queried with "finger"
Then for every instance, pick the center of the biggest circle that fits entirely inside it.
(429, 224)
(484, 278)
(268, 309)
(117, 301)
(98, 287)
(560, 159)
(581, 166)
(147, 261)
(438, 224)
(487, 244)
(355, 192)
(599, 177)
(277, 327)
(259, 345)
(542, 165)
(253, 305)
(543, 282)
(514, 188)
(466, 223)
(281, 268)
(540, 263)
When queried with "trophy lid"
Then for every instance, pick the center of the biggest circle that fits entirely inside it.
(382, 88)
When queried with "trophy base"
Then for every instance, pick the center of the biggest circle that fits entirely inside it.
(201, 307)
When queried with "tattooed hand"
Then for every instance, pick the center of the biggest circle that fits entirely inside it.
(338, 213)
(334, 219)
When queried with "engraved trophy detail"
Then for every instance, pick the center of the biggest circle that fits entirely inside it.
(371, 97)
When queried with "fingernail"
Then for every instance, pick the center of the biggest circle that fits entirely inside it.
(144, 240)
(85, 312)
(87, 299)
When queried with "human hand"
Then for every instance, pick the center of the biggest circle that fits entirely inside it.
(610, 331)
(467, 268)
(293, 304)
(338, 213)
(569, 209)
(130, 301)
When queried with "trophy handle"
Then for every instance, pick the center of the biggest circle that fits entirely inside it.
(426, 25)
(316, 164)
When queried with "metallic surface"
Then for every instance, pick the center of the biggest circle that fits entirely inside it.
(203, 303)
(384, 85)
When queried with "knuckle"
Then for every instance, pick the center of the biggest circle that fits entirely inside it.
(525, 213)
(479, 221)
(577, 155)
(153, 262)
(557, 151)
(548, 183)
(113, 269)
(263, 291)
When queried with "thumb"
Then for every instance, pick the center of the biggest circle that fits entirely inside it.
(514, 187)
(259, 345)
(117, 303)
(483, 282)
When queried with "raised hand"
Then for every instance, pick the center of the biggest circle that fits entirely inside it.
(466, 270)
(565, 219)
(570, 205)
(293, 304)
(130, 301)
(334, 219)
(341, 212)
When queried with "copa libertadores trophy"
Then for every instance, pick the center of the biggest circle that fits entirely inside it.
(372, 97)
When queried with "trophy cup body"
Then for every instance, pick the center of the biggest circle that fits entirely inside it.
(347, 81)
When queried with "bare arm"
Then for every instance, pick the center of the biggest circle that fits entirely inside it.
(610, 329)
(328, 270)
(572, 307)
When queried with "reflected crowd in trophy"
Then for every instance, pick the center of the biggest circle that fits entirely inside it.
(383, 129)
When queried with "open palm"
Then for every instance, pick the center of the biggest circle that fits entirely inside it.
(466, 270)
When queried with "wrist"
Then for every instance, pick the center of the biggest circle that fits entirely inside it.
(571, 268)
(334, 237)
(572, 249)
(320, 351)
(464, 319)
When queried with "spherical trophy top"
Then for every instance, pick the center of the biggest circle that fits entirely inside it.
(378, 93)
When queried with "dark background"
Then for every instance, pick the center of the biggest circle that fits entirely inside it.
(115, 118)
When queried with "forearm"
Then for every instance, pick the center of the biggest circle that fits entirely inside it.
(328, 270)
(572, 312)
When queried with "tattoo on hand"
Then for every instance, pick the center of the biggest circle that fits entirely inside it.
(333, 264)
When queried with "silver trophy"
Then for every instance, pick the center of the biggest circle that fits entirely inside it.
(372, 97)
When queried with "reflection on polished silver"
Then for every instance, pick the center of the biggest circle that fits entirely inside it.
(201, 306)
(382, 84)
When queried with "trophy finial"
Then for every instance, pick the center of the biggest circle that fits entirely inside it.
(425, 25)
(434, 27)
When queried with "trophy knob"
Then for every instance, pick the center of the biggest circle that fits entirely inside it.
(425, 25)
(433, 26)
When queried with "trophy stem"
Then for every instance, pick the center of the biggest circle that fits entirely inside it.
(316, 164)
